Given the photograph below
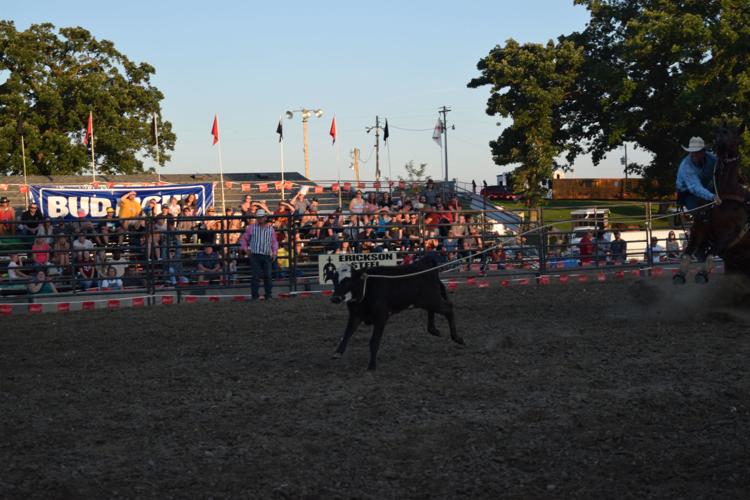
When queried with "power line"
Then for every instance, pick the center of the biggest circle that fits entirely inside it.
(411, 129)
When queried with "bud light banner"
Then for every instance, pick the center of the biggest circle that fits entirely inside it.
(67, 201)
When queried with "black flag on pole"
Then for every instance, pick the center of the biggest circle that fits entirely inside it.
(385, 131)
(280, 131)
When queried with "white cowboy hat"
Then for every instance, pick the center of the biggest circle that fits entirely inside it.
(260, 213)
(696, 144)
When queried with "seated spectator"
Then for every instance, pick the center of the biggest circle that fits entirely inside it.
(41, 284)
(618, 248)
(40, 252)
(673, 246)
(429, 194)
(111, 281)
(118, 263)
(30, 220)
(101, 263)
(357, 204)
(83, 225)
(189, 201)
(82, 244)
(47, 231)
(208, 264)
(386, 201)
(232, 227)
(130, 208)
(14, 269)
(300, 203)
(86, 271)
(657, 252)
(109, 230)
(371, 204)
(61, 254)
(246, 207)
(586, 248)
(209, 227)
(174, 206)
(186, 225)
(7, 216)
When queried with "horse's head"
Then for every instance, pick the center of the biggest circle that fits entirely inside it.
(727, 144)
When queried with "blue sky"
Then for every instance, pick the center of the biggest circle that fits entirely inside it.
(251, 61)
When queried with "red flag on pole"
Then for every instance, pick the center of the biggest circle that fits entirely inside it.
(332, 133)
(215, 129)
(89, 129)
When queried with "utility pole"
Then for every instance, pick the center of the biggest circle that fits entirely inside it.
(444, 110)
(377, 129)
(355, 164)
(624, 161)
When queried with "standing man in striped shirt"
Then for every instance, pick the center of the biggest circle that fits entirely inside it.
(259, 240)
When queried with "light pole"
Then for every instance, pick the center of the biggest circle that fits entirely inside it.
(306, 114)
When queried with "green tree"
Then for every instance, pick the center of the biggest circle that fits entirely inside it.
(54, 78)
(414, 173)
(657, 72)
(530, 83)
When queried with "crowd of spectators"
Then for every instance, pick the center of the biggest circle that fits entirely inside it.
(172, 242)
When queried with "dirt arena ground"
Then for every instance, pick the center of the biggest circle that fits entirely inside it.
(599, 390)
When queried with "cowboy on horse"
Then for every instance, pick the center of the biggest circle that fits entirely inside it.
(712, 186)
(695, 177)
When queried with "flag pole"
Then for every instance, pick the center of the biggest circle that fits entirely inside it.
(281, 153)
(156, 143)
(221, 175)
(25, 182)
(93, 163)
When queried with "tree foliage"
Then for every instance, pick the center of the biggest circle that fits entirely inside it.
(652, 72)
(54, 78)
(414, 173)
(529, 83)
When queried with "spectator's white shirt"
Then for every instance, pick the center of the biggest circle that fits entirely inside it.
(112, 283)
(657, 251)
(87, 244)
(119, 265)
(12, 266)
(47, 234)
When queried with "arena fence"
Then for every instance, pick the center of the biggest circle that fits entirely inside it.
(150, 255)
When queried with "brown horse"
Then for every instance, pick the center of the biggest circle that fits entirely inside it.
(722, 230)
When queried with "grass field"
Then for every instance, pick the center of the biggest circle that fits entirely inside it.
(630, 213)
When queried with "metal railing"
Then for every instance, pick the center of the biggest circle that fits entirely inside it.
(151, 254)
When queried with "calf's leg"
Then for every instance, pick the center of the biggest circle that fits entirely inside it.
(431, 324)
(351, 327)
(447, 311)
(377, 334)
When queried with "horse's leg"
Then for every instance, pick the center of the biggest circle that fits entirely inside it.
(679, 277)
(702, 276)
